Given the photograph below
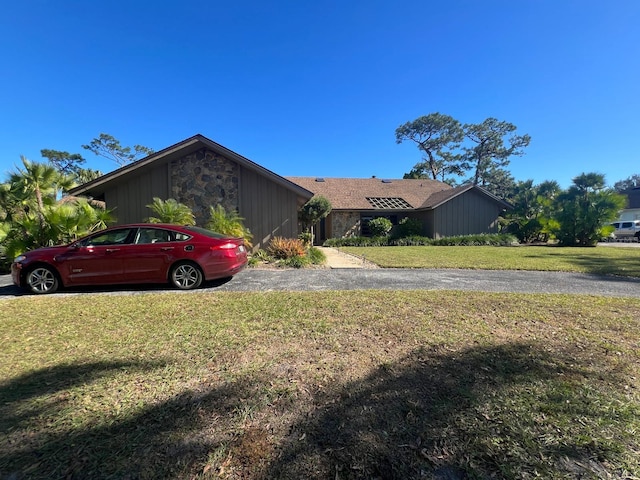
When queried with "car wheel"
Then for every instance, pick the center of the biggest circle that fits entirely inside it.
(186, 276)
(41, 280)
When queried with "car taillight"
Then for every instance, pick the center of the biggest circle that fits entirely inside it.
(224, 246)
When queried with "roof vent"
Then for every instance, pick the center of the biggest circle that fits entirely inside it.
(319, 179)
(386, 181)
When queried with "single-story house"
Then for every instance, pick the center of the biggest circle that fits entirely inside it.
(200, 173)
(443, 210)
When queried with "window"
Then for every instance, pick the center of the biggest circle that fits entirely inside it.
(152, 235)
(365, 219)
(112, 237)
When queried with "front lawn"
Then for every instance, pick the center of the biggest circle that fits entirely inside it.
(349, 385)
(598, 260)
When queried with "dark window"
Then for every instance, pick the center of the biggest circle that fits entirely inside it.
(112, 237)
(365, 219)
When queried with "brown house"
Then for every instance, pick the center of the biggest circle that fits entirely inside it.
(201, 173)
(443, 210)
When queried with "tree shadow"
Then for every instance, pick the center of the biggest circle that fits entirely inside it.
(425, 416)
(161, 440)
(587, 259)
(419, 417)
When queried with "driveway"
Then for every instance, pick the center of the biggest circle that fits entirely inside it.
(251, 280)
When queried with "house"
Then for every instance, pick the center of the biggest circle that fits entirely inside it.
(201, 173)
(443, 210)
(632, 212)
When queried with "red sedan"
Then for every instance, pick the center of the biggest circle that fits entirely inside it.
(138, 253)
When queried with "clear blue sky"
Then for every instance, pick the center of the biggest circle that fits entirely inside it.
(318, 88)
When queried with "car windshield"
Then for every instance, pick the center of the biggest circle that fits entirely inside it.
(204, 231)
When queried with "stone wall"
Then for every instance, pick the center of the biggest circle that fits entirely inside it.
(345, 224)
(204, 179)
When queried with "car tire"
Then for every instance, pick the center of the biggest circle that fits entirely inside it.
(42, 280)
(186, 276)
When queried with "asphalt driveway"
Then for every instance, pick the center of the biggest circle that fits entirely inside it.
(252, 280)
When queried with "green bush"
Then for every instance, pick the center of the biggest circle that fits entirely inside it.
(228, 223)
(413, 240)
(306, 238)
(296, 261)
(357, 242)
(316, 256)
(408, 227)
(493, 239)
(380, 227)
(490, 239)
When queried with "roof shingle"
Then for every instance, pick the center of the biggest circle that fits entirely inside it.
(352, 193)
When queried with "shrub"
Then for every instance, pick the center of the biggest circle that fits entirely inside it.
(297, 261)
(170, 211)
(408, 227)
(316, 256)
(380, 227)
(490, 239)
(228, 223)
(413, 240)
(260, 256)
(357, 242)
(283, 248)
(306, 238)
(493, 239)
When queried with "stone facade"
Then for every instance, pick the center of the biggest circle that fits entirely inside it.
(204, 179)
(345, 224)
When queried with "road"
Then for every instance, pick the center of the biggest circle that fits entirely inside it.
(389, 279)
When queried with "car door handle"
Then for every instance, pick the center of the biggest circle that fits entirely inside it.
(111, 250)
(164, 249)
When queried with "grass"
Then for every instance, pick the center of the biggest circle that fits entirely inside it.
(599, 260)
(412, 384)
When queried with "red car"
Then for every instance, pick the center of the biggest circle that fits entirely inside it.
(138, 253)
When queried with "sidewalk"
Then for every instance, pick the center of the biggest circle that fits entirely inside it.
(338, 259)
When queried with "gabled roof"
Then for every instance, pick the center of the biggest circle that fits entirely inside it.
(179, 150)
(352, 193)
(395, 194)
(438, 198)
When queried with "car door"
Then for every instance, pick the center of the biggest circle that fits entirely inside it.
(98, 259)
(150, 255)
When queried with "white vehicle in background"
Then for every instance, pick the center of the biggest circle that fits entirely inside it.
(626, 230)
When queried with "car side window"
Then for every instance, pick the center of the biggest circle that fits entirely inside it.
(112, 237)
(153, 235)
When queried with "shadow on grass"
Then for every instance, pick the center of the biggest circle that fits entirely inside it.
(481, 413)
(592, 260)
(433, 414)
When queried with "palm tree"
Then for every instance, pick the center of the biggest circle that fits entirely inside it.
(229, 223)
(171, 211)
(39, 182)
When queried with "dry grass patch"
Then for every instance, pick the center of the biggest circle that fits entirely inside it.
(371, 384)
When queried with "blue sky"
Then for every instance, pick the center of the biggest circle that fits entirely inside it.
(318, 88)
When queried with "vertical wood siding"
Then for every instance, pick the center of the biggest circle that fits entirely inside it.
(269, 210)
(129, 198)
(466, 214)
